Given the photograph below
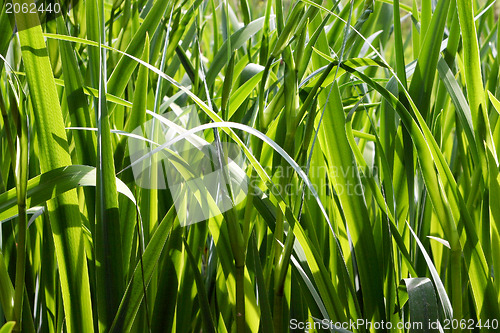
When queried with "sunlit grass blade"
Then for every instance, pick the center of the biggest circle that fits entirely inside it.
(134, 293)
(53, 150)
(340, 157)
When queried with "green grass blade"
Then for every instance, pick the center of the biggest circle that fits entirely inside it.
(474, 81)
(125, 67)
(340, 157)
(208, 322)
(107, 245)
(7, 327)
(52, 143)
(52, 184)
(77, 101)
(134, 294)
(423, 77)
(443, 297)
(423, 306)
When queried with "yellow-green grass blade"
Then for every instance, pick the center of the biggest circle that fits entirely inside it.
(141, 277)
(51, 184)
(77, 100)
(423, 77)
(382, 200)
(136, 118)
(338, 153)
(22, 165)
(474, 81)
(208, 322)
(7, 327)
(7, 298)
(428, 150)
(125, 67)
(6, 291)
(494, 193)
(53, 149)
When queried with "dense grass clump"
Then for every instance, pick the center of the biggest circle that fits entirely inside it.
(215, 166)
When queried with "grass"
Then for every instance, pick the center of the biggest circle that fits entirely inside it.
(356, 143)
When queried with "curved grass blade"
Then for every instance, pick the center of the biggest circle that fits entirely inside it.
(52, 184)
(423, 306)
(443, 296)
(8, 327)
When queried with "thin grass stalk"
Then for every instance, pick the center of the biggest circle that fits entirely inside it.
(456, 288)
(237, 244)
(21, 185)
(7, 128)
(282, 254)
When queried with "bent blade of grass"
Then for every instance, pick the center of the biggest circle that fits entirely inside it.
(8, 327)
(443, 297)
(329, 292)
(53, 148)
(51, 184)
(423, 306)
